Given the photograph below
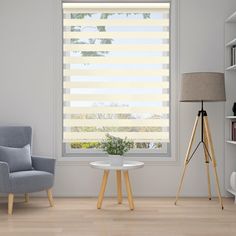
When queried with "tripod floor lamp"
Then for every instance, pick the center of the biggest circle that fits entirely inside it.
(202, 87)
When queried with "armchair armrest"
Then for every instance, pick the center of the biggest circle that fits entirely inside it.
(4, 178)
(44, 164)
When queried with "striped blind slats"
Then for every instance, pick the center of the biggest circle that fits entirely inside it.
(115, 110)
(116, 22)
(85, 84)
(115, 60)
(116, 72)
(110, 10)
(116, 97)
(116, 122)
(113, 72)
(92, 139)
(101, 135)
(117, 7)
(117, 35)
(112, 47)
(109, 7)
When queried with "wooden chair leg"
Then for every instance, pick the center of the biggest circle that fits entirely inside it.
(26, 197)
(10, 203)
(212, 153)
(119, 186)
(103, 188)
(187, 157)
(50, 198)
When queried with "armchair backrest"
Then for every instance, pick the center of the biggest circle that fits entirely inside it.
(15, 136)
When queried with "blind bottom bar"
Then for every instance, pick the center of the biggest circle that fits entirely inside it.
(134, 140)
(130, 135)
(115, 110)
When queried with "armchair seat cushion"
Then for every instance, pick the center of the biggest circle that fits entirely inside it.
(30, 181)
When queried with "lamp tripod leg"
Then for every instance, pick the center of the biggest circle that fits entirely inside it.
(218, 188)
(181, 183)
(186, 161)
(212, 154)
(206, 148)
(208, 180)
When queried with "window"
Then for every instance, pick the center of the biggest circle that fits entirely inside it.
(116, 76)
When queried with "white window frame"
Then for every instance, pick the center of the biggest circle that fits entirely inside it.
(174, 87)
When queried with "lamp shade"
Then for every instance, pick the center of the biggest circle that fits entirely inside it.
(202, 86)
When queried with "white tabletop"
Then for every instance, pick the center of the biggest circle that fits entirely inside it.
(127, 165)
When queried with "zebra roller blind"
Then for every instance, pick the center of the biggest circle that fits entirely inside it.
(116, 74)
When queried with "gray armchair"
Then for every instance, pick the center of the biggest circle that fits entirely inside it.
(41, 177)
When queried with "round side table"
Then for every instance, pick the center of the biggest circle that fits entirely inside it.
(106, 166)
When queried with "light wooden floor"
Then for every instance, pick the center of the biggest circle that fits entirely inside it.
(152, 216)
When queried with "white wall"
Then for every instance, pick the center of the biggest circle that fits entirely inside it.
(27, 77)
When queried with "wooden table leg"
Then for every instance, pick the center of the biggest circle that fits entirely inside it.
(119, 186)
(26, 197)
(103, 188)
(128, 189)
